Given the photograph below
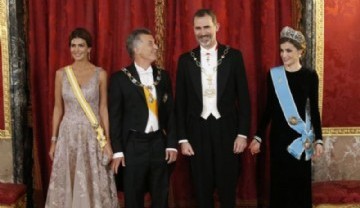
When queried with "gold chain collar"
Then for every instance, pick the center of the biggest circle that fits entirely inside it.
(219, 61)
(137, 82)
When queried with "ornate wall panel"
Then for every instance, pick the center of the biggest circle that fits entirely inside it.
(13, 99)
(18, 85)
(337, 61)
(6, 154)
(340, 161)
(5, 115)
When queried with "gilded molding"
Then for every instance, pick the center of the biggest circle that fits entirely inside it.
(160, 31)
(348, 205)
(21, 202)
(319, 63)
(319, 45)
(4, 41)
(341, 131)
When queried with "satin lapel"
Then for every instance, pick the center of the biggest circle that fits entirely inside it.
(134, 73)
(159, 92)
(195, 73)
(222, 71)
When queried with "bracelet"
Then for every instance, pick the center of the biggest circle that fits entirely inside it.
(54, 138)
(242, 136)
(319, 141)
(258, 139)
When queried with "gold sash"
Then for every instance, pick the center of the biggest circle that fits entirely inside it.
(86, 107)
(151, 101)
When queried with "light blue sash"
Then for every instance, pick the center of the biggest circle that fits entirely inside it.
(305, 142)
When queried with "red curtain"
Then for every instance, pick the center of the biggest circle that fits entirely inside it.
(251, 26)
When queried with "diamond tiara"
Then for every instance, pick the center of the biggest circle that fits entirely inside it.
(288, 32)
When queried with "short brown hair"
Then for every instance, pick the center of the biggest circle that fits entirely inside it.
(204, 12)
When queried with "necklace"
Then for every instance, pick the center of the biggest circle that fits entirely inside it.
(210, 91)
(146, 87)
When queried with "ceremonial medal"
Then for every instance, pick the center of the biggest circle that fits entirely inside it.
(307, 144)
(151, 97)
(293, 120)
(210, 92)
(165, 98)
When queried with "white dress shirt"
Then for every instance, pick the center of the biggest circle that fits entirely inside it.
(147, 79)
(209, 70)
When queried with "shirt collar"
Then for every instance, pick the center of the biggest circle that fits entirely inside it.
(211, 50)
(141, 70)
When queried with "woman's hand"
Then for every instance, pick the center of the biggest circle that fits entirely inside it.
(52, 150)
(318, 151)
(108, 150)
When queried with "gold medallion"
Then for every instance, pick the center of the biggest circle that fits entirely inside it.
(293, 120)
(165, 98)
(151, 97)
(210, 92)
(307, 143)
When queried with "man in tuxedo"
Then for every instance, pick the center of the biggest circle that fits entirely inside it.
(212, 112)
(142, 123)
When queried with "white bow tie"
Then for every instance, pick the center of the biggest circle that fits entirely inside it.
(143, 72)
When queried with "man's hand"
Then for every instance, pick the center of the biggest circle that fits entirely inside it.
(186, 149)
(254, 147)
(115, 163)
(240, 144)
(171, 156)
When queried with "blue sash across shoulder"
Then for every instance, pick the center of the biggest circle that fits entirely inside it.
(286, 100)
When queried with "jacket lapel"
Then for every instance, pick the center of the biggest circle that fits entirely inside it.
(195, 72)
(159, 92)
(222, 71)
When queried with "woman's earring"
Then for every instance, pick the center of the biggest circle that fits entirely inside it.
(89, 56)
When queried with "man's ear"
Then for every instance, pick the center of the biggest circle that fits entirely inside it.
(136, 50)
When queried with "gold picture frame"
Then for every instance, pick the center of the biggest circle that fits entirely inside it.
(319, 65)
(5, 67)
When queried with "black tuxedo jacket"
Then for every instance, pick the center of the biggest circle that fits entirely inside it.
(232, 91)
(128, 109)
